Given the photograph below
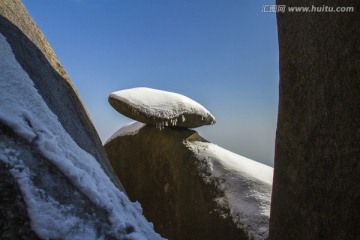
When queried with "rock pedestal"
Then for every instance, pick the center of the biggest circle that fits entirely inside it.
(173, 183)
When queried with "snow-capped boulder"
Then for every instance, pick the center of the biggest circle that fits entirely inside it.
(190, 188)
(160, 108)
(55, 179)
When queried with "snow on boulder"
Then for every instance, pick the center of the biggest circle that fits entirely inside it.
(131, 128)
(246, 185)
(55, 179)
(160, 108)
(203, 190)
(29, 126)
(39, 61)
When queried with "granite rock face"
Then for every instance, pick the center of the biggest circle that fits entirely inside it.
(56, 181)
(184, 187)
(38, 59)
(316, 189)
(160, 108)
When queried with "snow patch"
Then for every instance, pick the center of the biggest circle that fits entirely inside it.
(131, 128)
(37, 201)
(24, 110)
(246, 184)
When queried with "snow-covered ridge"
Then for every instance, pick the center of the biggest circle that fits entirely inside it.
(24, 110)
(131, 128)
(247, 185)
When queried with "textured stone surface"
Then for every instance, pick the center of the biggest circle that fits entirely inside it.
(36, 57)
(316, 189)
(160, 172)
(14, 221)
(16, 226)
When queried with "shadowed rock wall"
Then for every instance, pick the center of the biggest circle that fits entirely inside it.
(316, 189)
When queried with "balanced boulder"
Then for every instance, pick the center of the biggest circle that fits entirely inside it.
(190, 188)
(160, 108)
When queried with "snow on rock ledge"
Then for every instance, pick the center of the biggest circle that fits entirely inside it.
(131, 128)
(246, 185)
(160, 108)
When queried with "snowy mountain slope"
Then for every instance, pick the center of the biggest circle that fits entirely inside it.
(24, 111)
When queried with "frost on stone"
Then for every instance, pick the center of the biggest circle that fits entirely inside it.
(24, 111)
(246, 185)
(131, 128)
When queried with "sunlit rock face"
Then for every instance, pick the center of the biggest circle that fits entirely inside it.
(56, 182)
(190, 188)
(316, 189)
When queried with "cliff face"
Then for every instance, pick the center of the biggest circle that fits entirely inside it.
(190, 188)
(38, 59)
(316, 189)
(56, 182)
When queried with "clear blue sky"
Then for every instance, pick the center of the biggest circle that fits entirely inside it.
(221, 53)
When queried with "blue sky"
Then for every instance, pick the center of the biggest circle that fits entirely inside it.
(223, 54)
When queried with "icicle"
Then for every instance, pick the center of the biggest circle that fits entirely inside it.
(172, 121)
(183, 118)
(160, 125)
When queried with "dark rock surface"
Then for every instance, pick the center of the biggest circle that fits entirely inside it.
(167, 178)
(316, 189)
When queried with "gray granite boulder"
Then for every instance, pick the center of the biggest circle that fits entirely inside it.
(190, 188)
(160, 108)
